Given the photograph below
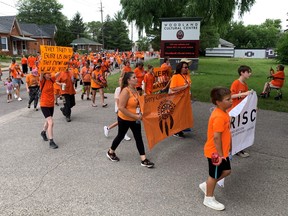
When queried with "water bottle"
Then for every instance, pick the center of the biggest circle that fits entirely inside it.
(138, 112)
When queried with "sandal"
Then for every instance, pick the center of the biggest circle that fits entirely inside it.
(94, 105)
(104, 105)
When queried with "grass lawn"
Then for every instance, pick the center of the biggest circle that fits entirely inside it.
(222, 72)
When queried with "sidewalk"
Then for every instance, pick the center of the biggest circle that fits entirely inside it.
(78, 179)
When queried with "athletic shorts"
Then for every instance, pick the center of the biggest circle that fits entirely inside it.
(216, 171)
(86, 83)
(95, 89)
(47, 111)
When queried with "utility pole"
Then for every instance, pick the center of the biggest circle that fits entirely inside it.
(132, 34)
(101, 10)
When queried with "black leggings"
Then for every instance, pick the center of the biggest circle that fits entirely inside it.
(123, 126)
(69, 103)
(33, 95)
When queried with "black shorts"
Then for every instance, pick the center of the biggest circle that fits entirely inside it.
(216, 171)
(47, 111)
(86, 83)
(139, 89)
(95, 89)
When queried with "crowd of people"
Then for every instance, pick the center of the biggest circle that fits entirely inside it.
(92, 71)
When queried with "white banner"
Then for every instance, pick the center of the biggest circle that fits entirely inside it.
(243, 122)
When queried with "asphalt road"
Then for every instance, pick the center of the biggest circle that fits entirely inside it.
(78, 179)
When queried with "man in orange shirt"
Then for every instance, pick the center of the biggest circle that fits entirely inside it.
(139, 72)
(149, 80)
(218, 143)
(66, 81)
(31, 62)
(24, 63)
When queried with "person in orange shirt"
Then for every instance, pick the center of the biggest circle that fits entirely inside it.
(47, 107)
(239, 90)
(24, 64)
(129, 116)
(86, 80)
(16, 74)
(32, 87)
(218, 143)
(66, 81)
(126, 68)
(31, 62)
(57, 89)
(76, 75)
(139, 72)
(166, 64)
(149, 79)
(276, 82)
(98, 83)
(180, 81)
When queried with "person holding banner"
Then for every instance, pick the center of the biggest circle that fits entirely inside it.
(66, 81)
(47, 107)
(129, 116)
(217, 146)
(239, 90)
(180, 81)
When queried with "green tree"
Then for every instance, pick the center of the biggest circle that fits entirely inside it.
(94, 30)
(282, 49)
(116, 33)
(143, 44)
(216, 13)
(77, 26)
(45, 12)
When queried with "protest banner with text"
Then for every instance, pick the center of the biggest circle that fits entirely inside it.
(54, 58)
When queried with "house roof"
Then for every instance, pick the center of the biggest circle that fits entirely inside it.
(38, 31)
(6, 23)
(225, 43)
(84, 41)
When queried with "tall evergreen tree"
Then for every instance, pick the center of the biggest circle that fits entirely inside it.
(77, 26)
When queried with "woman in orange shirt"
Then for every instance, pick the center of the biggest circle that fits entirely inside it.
(32, 87)
(47, 106)
(97, 83)
(129, 116)
(86, 80)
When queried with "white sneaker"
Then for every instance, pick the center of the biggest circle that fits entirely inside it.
(212, 203)
(106, 131)
(15, 96)
(243, 154)
(19, 99)
(127, 138)
(203, 187)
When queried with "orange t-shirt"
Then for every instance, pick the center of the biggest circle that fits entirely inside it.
(149, 80)
(280, 81)
(236, 88)
(66, 77)
(32, 80)
(131, 105)
(178, 80)
(47, 92)
(31, 61)
(24, 61)
(95, 75)
(219, 121)
(127, 69)
(76, 73)
(86, 74)
(139, 73)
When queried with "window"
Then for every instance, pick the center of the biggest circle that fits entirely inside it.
(4, 44)
(48, 42)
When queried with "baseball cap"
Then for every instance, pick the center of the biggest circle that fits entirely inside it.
(189, 62)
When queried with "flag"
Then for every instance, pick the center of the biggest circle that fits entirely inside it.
(165, 115)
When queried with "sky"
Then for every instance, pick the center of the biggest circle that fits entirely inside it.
(90, 11)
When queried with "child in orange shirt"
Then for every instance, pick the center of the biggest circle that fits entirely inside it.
(218, 141)
(149, 79)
